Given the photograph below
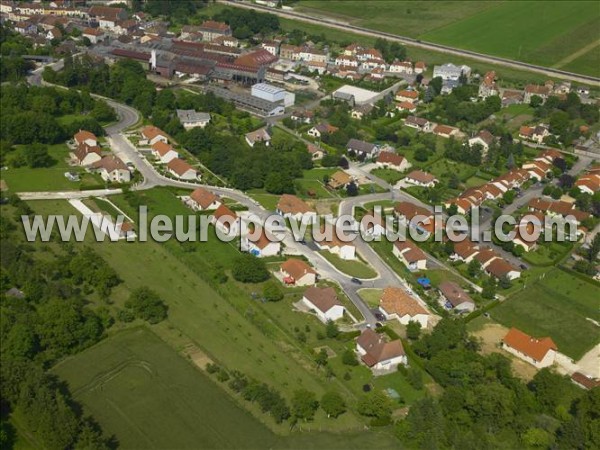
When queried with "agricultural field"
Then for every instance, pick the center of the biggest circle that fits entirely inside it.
(564, 34)
(559, 305)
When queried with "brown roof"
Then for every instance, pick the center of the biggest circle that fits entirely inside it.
(338, 179)
(93, 32)
(410, 252)
(323, 298)
(532, 347)
(262, 240)
(150, 132)
(421, 177)
(213, 25)
(110, 164)
(259, 135)
(499, 268)
(377, 349)
(83, 150)
(290, 204)
(82, 135)
(585, 380)
(179, 166)
(224, 212)
(395, 300)
(408, 94)
(390, 158)
(161, 148)
(454, 293)
(296, 268)
(410, 210)
(486, 255)
(465, 248)
(203, 197)
(444, 129)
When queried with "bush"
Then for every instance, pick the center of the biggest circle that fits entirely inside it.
(212, 368)
(272, 292)
(147, 305)
(249, 269)
(349, 358)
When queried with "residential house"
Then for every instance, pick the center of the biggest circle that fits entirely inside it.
(406, 106)
(260, 135)
(112, 169)
(589, 182)
(339, 179)
(181, 169)
(446, 131)
(396, 303)
(54, 33)
(410, 255)
(533, 89)
(401, 67)
(263, 245)
(345, 250)
(360, 111)
(418, 123)
(271, 46)
(488, 86)
(378, 354)
(373, 225)
(302, 115)
(483, 138)
(464, 251)
(323, 128)
(416, 216)
(420, 178)
(407, 96)
(537, 352)
(315, 152)
(86, 155)
(347, 61)
(500, 269)
(292, 207)
(297, 272)
(164, 153)
(420, 67)
(585, 381)
(390, 160)
(211, 30)
(151, 135)
(85, 137)
(106, 16)
(225, 220)
(362, 148)
(536, 134)
(451, 72)
(558, 208)
(454, 297)
(202, 200)
(193, 119)
(324, 302)
(95, 35)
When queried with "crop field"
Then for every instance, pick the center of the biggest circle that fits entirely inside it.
(558, 305)
(563, 34)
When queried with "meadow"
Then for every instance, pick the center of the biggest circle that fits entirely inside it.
(557, 305)
(559, 31)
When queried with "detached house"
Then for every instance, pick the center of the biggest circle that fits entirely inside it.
(297, 272)
(181, 169)
(396, 303)
(401, 67)
(389, 160)
(373, 225)
(190, 118)
(202, 199)
(86, 155)
(407, 96)
(319, 130)
(537, 352)
(454, 297)
(418, 123)
(378, 354)
(85, 137)
(410, 255)
(151, 135)
(211, 30)
(362, 148)
(533, 89)
(324, 302)
(95, 35)
(164, 153)
(483, 138)
(488, 87)
(225, 220)
(345, 250)
(339, 179)
(292, 207)
(262, 246)
(112, 169)
(260, 135)
(420, 178)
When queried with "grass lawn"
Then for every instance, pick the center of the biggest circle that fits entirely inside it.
(268, 201)
(547, 253)
(389, 175)
(142, 391)
(587, 63)
(353, 268)
(371, 296)
(558, 306)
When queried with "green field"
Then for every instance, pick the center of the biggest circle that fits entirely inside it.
(508, 29)
(557, 305)
(353, 268)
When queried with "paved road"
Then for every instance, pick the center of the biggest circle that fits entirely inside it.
(330, 23)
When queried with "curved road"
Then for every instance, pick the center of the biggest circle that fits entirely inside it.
(421, 44)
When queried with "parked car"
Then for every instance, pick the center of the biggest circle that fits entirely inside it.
(355, 280)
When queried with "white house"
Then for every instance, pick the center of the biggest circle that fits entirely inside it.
(164, 153)
(262, 246)
(324, 302)
(454, 297)
(297, 272)
(182, 170)
(410, 255)
(537, 352)
(226, 220)
(112, 169)
(394, 161)
(345, 250)
(151, 135)
(420, 178)
(260, 135)
(202, 199)
(378, 354)
(292, 207)
(401, 67)
(86, 155)
(483, 138)
(85, 137)
(396, 303)
(193, 119)
(451, 72)
(373, 225)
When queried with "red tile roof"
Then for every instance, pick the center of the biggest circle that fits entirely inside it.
(527, 345)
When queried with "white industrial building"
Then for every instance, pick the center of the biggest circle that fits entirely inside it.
(273, 94)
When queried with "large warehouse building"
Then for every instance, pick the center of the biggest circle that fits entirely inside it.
(273, 94)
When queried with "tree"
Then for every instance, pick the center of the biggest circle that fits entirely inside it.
(352, 189)
(147, 305)
(322, 358)
(36, 155)
(304, 404)
(436, 84)
(474, 268)
(413, 330)
(349, 358)
(331, 329)
(333, 404)
(249, 269)
(375, 404)
(272, 292)
(489, 289)
(536, 101)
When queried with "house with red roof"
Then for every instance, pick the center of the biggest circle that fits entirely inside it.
(261, 245)
(111, 168)
(164, 152)
(396, 303)
(151, 135)
(202, 199)
(537, 352)
(86, 155)
(296, 272)
(420, 178)
(394, 161)
(410, 255)
(226, 221)
(181, 169)
(85, 137)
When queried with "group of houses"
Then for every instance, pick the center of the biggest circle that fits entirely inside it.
(536, 170)
(427, 126)
(589, 182)
(88, 153)
(490, 261)
(165, 154)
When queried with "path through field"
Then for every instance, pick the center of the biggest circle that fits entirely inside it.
(573, 56)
